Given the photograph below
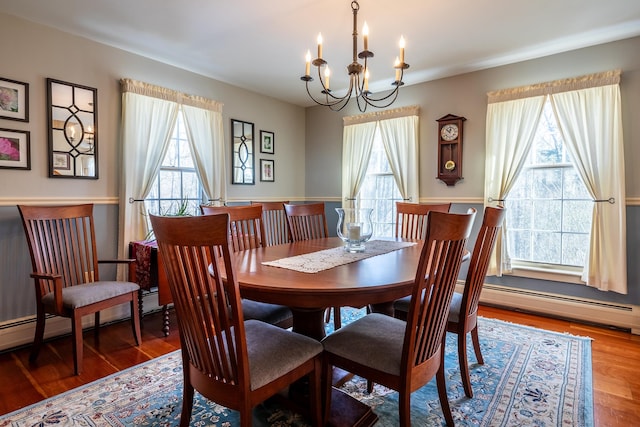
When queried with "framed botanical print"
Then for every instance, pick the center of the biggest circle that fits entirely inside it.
(15, 150)
(14, 100)
(267, 140)
(267, 170)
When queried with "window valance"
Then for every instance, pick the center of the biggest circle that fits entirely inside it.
(557, 86)
(146, 89)
(381, 115)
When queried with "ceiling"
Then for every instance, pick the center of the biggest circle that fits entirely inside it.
(260, 45)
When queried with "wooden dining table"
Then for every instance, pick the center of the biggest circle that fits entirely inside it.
(376, 281)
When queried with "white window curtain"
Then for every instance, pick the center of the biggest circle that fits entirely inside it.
(399, 131)
(588, 110)
(400, 139)
(206, 140)
(356, 152)
(591, 125)
(149, 115)
(511, 126)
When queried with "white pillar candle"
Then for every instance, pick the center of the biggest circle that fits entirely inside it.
(354, 232)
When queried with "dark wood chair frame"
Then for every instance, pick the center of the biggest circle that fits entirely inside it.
(423, 344)
(309, 221)
(274, 220)
(246, 231)
(464, 318)
(214, 347)
(62, 246)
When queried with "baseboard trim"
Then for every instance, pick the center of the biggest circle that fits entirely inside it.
(625, 316)
(19, 332)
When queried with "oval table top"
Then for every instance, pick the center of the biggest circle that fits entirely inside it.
(378, 279)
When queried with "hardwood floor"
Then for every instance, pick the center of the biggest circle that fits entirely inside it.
(615, 355)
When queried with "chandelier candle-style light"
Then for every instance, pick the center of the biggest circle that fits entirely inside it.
(358, 74)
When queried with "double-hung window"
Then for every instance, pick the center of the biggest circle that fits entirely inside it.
(379, 191)
(176, 189)
(555, 158)
(548, 208)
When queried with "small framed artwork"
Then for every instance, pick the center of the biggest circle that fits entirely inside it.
(14, 100)
(15, 149)
(266, 170)
(267, 140)
(61, 160)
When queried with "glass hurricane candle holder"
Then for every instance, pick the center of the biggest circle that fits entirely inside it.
(354, 227)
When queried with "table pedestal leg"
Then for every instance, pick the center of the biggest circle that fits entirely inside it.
(346, 411)
(309, 322)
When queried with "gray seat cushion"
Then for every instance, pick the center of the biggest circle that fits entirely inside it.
(374, 340)
(89, 293)
(274, 351)
(270, 313)
(403, 304)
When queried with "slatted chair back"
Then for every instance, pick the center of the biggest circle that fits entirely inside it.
(208, 308)
(245, 225)
(62, 246)
(215, 338)
(404, 356)
(62, 241)
(306, 221)
(411, 218)
(274, 220)
(463, 317)
(435, 281)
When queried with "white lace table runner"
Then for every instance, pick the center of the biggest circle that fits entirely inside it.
(323, 260)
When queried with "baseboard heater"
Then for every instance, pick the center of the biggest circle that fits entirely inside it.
(625, 316)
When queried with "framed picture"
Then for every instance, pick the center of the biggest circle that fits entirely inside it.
(61, 160)
(15, 149)
(266, 170)
(14, 100)
(267, 140)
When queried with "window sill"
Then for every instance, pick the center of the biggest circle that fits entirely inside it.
(540, 273)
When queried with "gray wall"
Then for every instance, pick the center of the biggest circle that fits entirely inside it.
(465, 95)
(31, 53)
(308, 143)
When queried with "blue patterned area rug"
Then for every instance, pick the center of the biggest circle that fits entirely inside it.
(530, 377)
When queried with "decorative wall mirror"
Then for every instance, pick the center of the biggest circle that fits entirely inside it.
(73, 130)
(242, 153)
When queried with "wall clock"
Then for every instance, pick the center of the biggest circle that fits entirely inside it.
(450, 149)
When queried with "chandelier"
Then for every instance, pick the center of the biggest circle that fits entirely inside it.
(358, 74)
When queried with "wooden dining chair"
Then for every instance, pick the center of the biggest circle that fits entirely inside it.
(62, 245)
(411, 218)
(400, 355)
(234, 362)
(274, 220)
(308, 221)
(246, 232)
(463, 315)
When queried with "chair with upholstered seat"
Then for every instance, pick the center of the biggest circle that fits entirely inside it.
(234, 362)
(463, 315)
(246, 231)
(400, 355)
(62, 245)
(274, 220)
(308, 221)
(411, 218)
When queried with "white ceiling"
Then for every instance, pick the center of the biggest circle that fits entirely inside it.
(260, 45)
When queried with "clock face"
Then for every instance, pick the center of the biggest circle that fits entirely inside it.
(449, 132)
